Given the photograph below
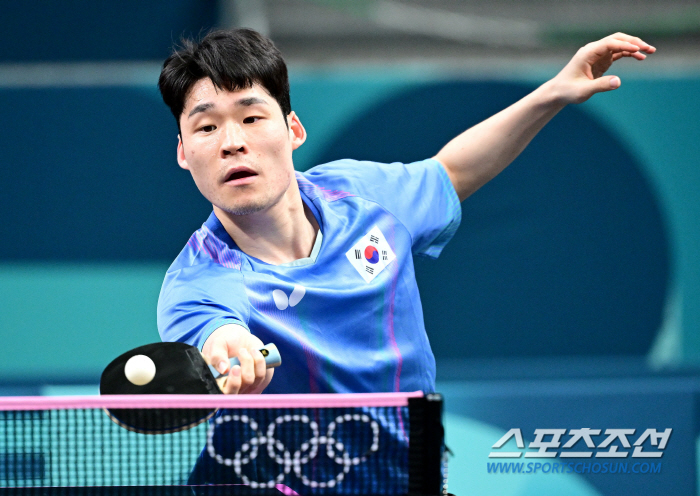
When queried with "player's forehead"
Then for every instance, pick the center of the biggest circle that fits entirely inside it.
(204, 91)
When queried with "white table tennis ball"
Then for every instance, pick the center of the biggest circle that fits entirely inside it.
(140, 370)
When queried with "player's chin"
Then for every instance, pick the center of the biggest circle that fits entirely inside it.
(245, 208)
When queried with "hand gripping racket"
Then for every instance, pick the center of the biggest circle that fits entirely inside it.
(179, 369)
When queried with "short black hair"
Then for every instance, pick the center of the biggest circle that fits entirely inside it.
(232, 60)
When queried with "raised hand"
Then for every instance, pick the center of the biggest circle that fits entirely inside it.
(584, 76)
(478, 154)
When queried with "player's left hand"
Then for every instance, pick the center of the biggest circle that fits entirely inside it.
(584, 76)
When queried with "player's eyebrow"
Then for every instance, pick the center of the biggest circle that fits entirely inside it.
(243, 102)
(252, 100)
(202, 107)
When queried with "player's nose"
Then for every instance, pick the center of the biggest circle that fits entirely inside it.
(232, 140)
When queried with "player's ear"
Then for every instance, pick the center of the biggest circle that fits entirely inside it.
(297, 133)
(181, 159)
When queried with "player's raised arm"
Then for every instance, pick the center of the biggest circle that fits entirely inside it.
(480, 153)
(232, 340)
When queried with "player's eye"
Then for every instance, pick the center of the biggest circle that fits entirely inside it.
(207, 129)
(251, 120)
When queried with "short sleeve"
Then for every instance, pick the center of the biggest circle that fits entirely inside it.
(195, 301)
(420, 195)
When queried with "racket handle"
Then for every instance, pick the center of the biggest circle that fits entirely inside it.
(269, 351)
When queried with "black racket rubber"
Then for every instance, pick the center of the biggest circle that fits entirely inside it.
(180, 369)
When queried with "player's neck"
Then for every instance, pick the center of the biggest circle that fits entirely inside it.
(283, 233)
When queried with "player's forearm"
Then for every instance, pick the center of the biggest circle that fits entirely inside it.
(477, 155)
(480, 153)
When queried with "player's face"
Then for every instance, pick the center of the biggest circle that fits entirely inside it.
(238, 147)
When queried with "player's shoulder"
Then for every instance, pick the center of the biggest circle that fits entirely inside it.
(352, 177)
(366, 179)
(207, 250)
(198, 271)
(339, 170)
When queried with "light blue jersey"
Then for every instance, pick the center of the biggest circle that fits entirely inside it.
(348, 319)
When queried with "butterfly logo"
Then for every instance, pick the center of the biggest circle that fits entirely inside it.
(281, 300)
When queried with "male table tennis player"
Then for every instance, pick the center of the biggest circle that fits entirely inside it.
(321, 263)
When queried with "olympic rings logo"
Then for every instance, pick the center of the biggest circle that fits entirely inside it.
(277, 451)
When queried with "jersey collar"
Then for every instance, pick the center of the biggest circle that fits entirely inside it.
(215, 226)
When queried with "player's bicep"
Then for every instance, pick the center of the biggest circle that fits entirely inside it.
(457, 178)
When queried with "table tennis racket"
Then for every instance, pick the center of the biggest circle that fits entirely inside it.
(180, 369)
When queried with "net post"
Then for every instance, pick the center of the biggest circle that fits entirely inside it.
(426, 443)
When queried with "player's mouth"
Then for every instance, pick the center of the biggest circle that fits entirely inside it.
(239, 176)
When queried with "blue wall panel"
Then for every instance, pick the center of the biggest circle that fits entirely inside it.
(82, 30)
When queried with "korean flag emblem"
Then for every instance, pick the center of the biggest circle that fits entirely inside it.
(370, 254)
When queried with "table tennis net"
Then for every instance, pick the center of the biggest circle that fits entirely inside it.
(314, 444)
